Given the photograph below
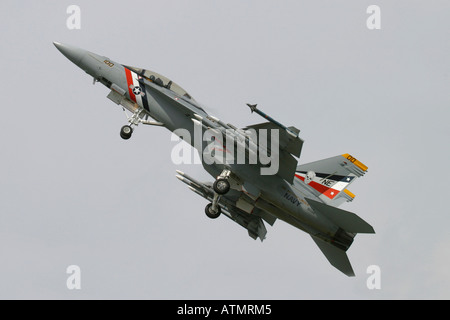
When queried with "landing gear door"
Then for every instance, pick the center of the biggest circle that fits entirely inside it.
(117, 95)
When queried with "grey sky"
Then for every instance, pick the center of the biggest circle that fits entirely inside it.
(73, 192)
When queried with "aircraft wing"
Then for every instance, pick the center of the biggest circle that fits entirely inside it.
(166, 96)
(254, 138)
(253, 221)
(287, 142)
(289, 146)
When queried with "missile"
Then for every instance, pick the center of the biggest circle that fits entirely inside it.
(215, 122)
(225, 129)
(180, 178)
(220, 122)
(266, 116)
(212, 121)
(201, 124)
(206, 122)
(191, 185)
(198, 117)
(197, 192)
(235, 135)
(199, 121)
(188, 180)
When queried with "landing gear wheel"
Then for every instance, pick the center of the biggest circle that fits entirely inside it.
(126, 132)
(210, 213)
(221, 186)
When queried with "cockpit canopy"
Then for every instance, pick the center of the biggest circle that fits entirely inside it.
(161, 81)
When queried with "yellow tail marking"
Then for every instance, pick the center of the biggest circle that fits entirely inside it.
(355, 161)
(349, 194)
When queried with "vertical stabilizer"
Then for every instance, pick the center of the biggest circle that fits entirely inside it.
(337, 257)
(329, 178)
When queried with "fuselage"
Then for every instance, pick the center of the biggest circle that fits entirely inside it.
(169, 104)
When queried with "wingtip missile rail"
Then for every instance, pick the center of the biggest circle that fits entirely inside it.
(253, 108)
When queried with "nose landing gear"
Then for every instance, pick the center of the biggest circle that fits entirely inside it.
(126, 132)
(139, 116)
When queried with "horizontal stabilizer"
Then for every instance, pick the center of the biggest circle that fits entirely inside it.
(337, 257)
(348, 221)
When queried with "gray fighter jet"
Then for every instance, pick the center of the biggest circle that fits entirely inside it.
(257, 179)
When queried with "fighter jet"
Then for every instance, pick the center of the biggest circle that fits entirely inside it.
(257, 177)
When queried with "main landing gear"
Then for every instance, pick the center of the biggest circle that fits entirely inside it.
(221, 186)
(210, 213)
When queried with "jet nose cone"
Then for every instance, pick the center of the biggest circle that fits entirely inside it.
(74, 54)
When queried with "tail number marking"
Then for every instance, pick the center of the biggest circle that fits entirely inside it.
(351, 159)
(109, 63)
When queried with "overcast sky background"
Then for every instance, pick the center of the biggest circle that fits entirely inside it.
(73, 192)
